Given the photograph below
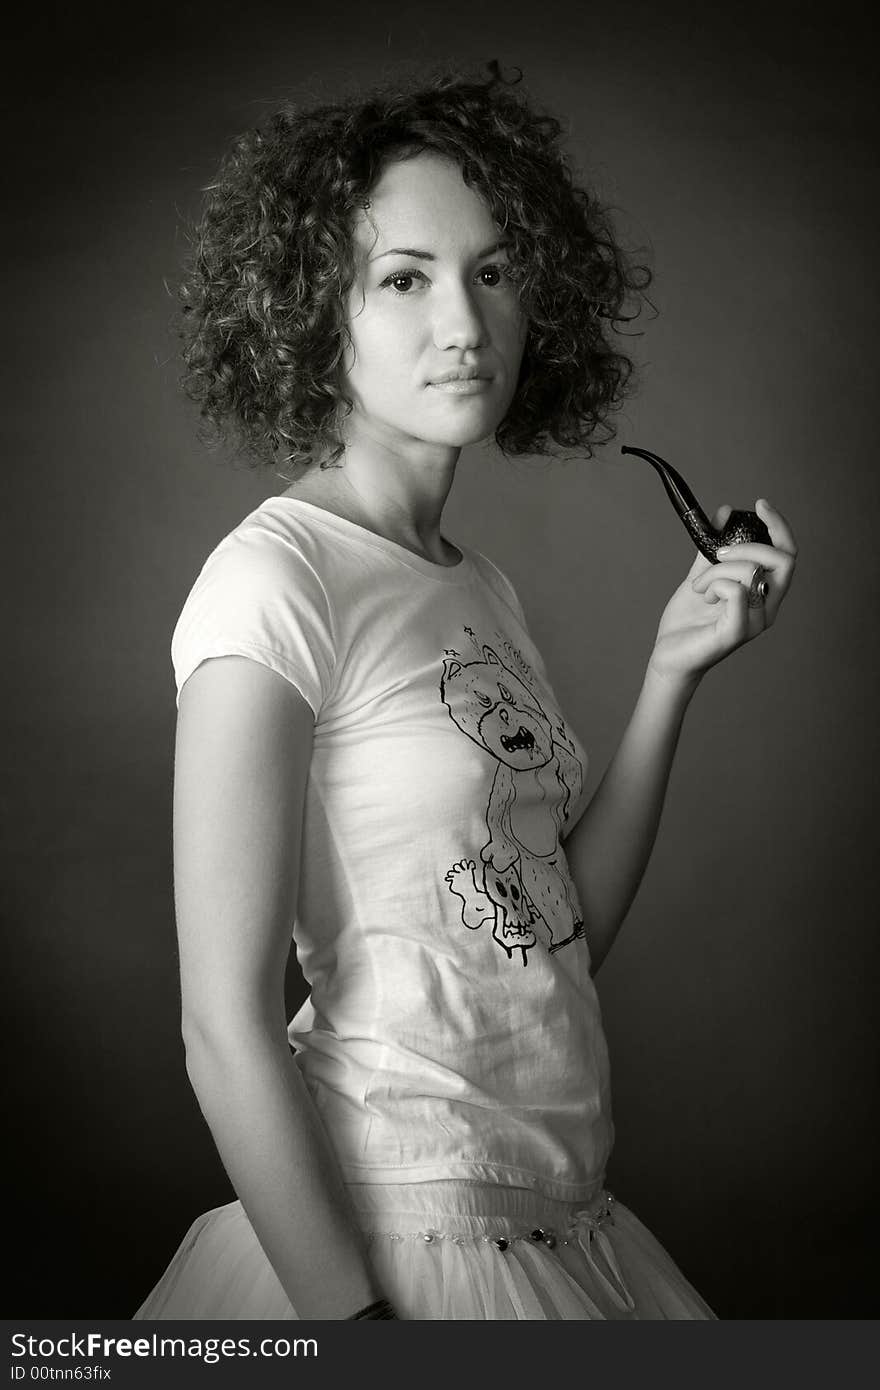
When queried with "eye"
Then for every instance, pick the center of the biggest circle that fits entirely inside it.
(401, 282)
(492, 275)
(484, 699)
(505, 694)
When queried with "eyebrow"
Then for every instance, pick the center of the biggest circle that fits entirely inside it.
(429, 255)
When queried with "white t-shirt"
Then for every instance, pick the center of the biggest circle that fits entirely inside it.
(452, 1029)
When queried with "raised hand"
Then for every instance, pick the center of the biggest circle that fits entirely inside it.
(710, 614)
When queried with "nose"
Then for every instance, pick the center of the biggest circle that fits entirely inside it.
(458, 322)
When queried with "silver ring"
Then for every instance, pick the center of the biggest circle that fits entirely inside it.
(758, 588)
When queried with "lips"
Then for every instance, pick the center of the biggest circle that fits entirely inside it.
(514, 743)
(459, 374)
(476, 386)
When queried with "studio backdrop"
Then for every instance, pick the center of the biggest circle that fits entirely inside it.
(739, 998)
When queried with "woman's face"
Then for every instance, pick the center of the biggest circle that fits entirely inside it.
(437, 332)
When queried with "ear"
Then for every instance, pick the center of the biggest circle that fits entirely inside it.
(451, 668)
(492, 657)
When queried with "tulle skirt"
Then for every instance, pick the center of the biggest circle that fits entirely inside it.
(449, 1250)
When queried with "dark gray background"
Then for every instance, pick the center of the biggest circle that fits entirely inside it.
(739, 1000)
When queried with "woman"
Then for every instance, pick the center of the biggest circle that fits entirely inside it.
(369, 750)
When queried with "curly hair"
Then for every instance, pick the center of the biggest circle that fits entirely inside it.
(264, 300)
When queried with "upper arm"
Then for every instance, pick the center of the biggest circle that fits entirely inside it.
(244, 740)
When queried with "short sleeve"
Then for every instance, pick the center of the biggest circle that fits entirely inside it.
(258, 596)
(503, 587)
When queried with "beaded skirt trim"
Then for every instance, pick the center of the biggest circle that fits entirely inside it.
(588, 1220)
(458, 1217)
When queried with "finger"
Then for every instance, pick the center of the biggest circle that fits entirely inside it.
(740, 619)
(699, 566)
(767, 555)
(722, 588)
(740, 570)
(780, 530)
(734, 614)
(720, 517)
(778, 564)
(741, 575)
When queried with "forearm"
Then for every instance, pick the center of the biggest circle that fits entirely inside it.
(281, 1164)
(609, 848)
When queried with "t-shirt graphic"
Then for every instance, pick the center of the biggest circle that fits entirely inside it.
(522, 882)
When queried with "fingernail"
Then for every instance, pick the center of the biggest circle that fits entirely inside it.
(722, 550)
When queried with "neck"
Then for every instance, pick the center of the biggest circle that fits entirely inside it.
(397, 492)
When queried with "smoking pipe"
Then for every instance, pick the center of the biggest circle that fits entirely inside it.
(739, 528)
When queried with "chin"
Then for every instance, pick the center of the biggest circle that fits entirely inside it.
(459, 433)
(460, 439)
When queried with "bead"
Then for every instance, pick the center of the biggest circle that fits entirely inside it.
(539, 1234)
